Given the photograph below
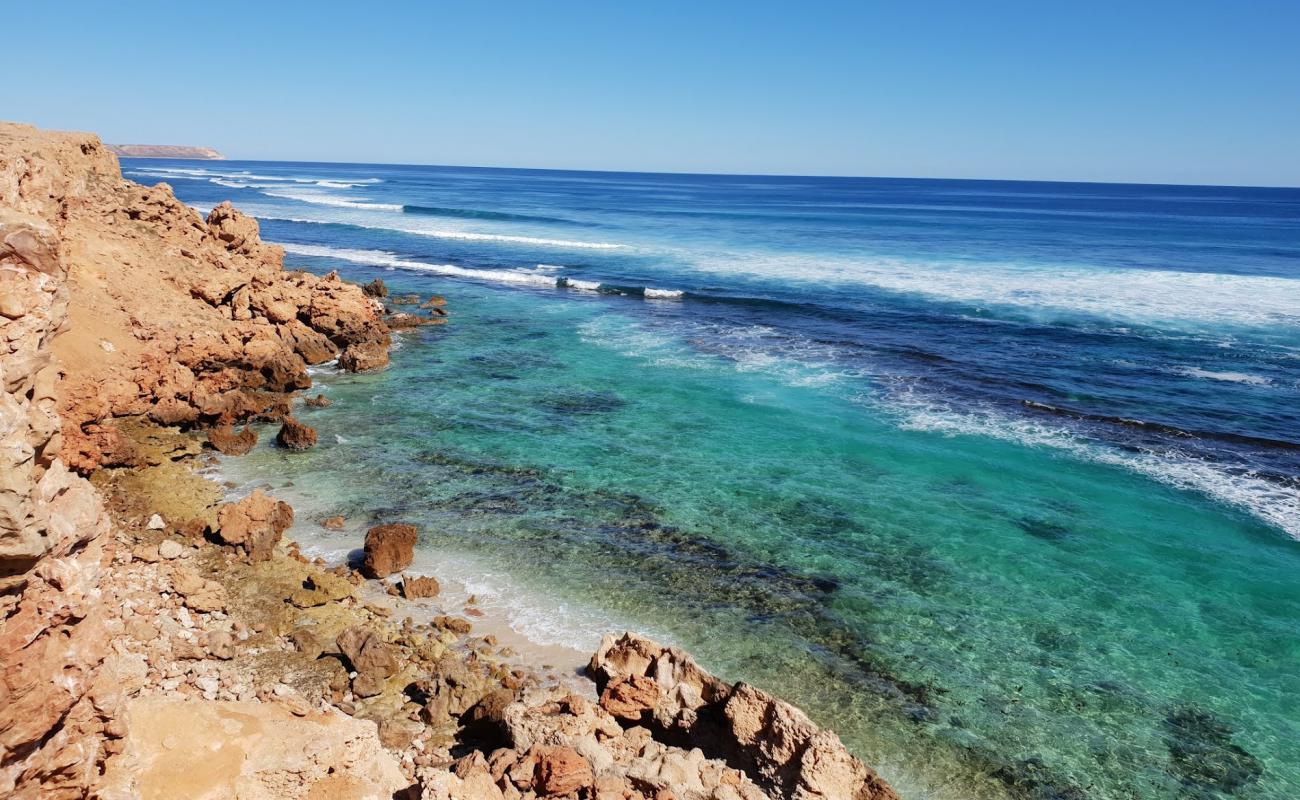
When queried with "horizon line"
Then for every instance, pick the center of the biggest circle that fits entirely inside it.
(714, 174)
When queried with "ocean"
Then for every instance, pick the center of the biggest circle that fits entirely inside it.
(1000, 480)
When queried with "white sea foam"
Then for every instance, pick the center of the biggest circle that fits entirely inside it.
(225, 178)
(1143, 296)
(329, 200)
(380, 258)
(1224, 375)
(470, 236)
(663, 294)
(1269, 502)
(433, 233)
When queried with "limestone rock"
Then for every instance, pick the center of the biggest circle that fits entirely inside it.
(225, 440)
(561, 771)
(373, 659)
(294, 435)
(258, 751)
(254, 524)
(415, 587)
(364, 356)
(632, 698)
(389, 549)
(775, 743)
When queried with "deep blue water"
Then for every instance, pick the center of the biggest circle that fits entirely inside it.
(1000, 479)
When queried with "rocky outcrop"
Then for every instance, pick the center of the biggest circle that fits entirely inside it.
(225, 440)
(175, 318)
(254, 524)
(770, 740)
(294, 435)
(389, 549)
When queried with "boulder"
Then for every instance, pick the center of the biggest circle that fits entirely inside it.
(224, 440)
(632, 698)
(254, 524)
(296, 436)
(373, 659)
(364, 356)
(319, 401)
(389, 549)
(333, 523)
(560, 771)
(419, 586)
(375, 288)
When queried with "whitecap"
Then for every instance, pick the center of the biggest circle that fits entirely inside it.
(663, 294)
(380, 258)
(328, 200)
(1224, 375)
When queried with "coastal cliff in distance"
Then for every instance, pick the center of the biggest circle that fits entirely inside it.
(165, 151)
(160, 639)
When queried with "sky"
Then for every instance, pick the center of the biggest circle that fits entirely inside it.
(1147, 92)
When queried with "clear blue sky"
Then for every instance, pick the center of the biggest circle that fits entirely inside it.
(1176, 92)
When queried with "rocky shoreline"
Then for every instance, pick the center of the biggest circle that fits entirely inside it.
(161, 640)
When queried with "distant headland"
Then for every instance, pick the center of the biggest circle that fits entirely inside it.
(165, 151)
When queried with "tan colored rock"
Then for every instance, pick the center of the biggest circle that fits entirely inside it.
(633, 698)
(294, 435)
(333, 523)
(778, 746)
(319, 401)
(419, 586)
(254, 524)
(225, 440)
(373, 659)
(364, 356)
(389, 548)
(206, 750)
(561, 771)
(199, 594)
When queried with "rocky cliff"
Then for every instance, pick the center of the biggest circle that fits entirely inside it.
(117, 301)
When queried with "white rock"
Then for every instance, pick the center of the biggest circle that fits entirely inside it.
(282, 690)
(207, 683)
(156, 523)
(170, 548)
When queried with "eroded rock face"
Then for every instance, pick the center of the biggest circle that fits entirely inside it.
(259, 751)
(184, 320)
(52, 523)
(389, 549)
(254, 524)
(773, 742)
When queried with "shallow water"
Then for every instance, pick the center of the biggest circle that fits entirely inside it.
(881, 456)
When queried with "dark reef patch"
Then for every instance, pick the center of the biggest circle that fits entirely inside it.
(1203, 756)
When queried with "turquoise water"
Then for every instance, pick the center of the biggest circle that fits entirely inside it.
(984, 599)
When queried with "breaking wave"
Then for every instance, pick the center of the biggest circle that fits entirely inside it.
(538, 278)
